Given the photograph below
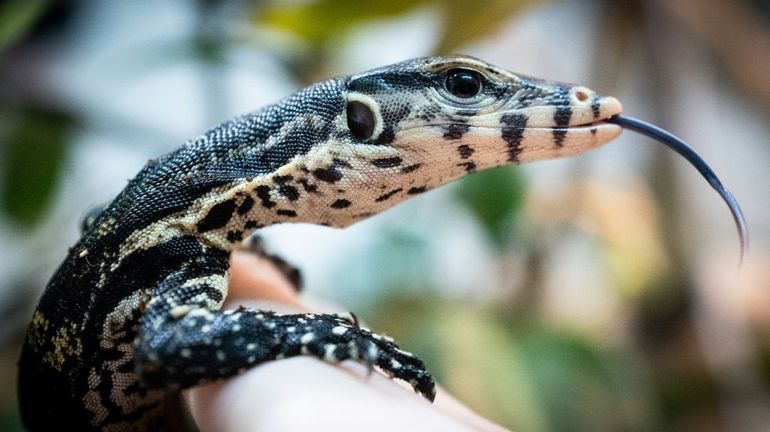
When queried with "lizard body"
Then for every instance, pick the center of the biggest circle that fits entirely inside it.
(133, 314)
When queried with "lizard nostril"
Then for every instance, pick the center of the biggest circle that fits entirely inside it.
(582, 95)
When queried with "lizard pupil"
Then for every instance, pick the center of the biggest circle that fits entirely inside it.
(463, 83)
(360, 120)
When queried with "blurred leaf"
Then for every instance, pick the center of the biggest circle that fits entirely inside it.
(466, 22)
(323, 20)
(10, 421)
(525, 376)
(494, 197)
(16, 17)
(33, 158)
(209, 49)
(581, 386)
(11, 345)
(400, 314)
(468, 353)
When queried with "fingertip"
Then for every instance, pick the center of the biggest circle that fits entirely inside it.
(253, 277)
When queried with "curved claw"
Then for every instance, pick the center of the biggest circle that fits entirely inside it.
(679, 146)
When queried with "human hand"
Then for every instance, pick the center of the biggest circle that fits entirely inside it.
(304, 393)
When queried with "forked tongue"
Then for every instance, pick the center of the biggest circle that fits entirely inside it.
(689, 153)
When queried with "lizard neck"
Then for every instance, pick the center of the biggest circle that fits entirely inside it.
(201, 189)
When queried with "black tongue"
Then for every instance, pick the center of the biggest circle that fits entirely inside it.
(689, 153)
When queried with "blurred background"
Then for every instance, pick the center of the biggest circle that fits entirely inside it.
(597, 293)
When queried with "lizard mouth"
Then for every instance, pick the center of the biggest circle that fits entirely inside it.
(593, 124)
(590, 127)
(596, 127)
(598, 115)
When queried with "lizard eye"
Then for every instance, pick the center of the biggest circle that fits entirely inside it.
(463, 83)
(360, 120)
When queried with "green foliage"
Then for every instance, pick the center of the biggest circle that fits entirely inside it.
(470, 21)
(571, 373)
(10, 422)
(494, 197)
(33, 156)
(324, 22)
(524, 375)
(16, 17)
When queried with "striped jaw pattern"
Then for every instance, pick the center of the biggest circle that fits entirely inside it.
(351, 147)
(420, 124)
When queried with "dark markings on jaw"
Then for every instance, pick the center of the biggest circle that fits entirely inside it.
(387, 196)
(513, 133)
(340, 163)
(417, 190)
(340, 204)
(246, 205)
(410, 168)
(263, 192)
(234, 236)
(290, 192)
(250, 224)
(218, 216)
(593, 130)
(329, 175)
(558, 136)
(288, 213)
(387, 162)
(596, 107)
(561, 117)
(281, 179)
(309, 187)
(469, 166)
(456, 131)
(332, 173)
(465, 151)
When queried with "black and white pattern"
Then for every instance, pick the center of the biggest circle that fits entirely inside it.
(133, 314)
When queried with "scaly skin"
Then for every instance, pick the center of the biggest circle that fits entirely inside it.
(133, 314)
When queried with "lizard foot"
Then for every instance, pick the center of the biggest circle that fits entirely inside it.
(335, 338)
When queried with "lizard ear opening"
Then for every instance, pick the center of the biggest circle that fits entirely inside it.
(361, 119)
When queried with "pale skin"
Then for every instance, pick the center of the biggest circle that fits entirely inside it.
(304, 393)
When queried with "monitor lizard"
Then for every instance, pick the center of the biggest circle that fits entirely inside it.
(134, 314)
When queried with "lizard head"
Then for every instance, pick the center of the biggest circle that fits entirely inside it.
(413, 126)
(425, 105)
(351, 147)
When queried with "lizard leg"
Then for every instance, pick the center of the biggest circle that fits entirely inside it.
(184, 341)
(256, 245)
